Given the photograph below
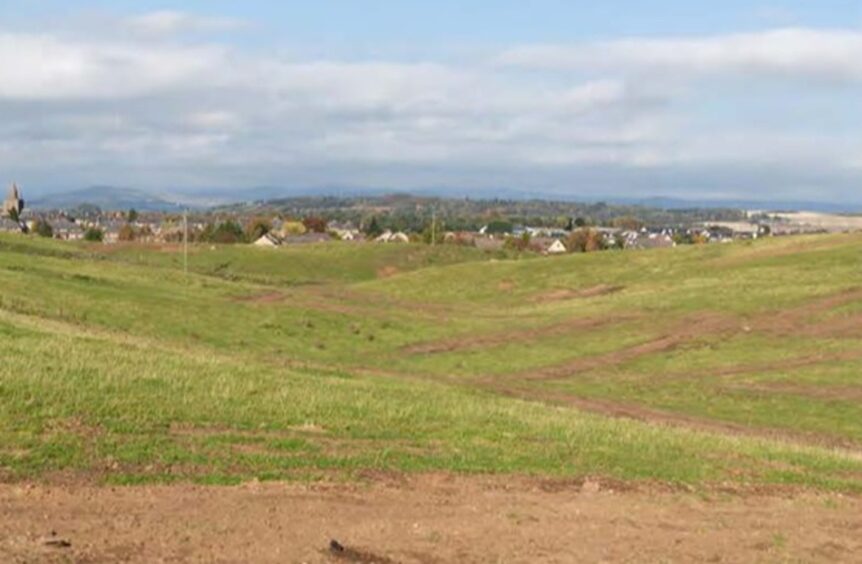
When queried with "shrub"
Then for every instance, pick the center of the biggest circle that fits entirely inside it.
(94, 235)
(43, 229)
(127, 233)
(585, 241)
(315, 224)
(257, 228)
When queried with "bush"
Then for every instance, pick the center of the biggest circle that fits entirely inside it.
(257, 228)
(585, 241)
(127, 233)
(228, 232)
(43, 229)
(315, 224)
(521, 243)
(498, 227)
(94, 235)
(293, 228)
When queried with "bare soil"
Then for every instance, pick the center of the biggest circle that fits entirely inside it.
(521, 335)
(425, 519)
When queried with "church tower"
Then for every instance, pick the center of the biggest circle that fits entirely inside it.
(14, 204)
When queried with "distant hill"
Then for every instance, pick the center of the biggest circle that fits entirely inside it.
(115, 198)
(109, 198)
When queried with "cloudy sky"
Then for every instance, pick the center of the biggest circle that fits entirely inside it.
(569, 97)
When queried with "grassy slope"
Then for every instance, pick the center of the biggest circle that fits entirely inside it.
(114, 368)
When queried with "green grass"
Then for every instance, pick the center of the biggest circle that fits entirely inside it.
(293, 363)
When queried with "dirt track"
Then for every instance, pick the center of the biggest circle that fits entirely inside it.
(435, 518)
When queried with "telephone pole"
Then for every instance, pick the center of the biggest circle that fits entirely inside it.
(186, 242)
(433, 226)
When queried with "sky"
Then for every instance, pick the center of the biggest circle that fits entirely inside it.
(585, 99)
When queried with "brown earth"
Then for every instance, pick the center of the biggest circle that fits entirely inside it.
(485, 340)
(796, 321)
(425, 519)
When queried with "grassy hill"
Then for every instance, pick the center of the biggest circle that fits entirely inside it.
(726, 364)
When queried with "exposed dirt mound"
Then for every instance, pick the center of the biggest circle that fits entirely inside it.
(423, 519)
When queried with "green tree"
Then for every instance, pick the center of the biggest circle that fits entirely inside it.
(94, 235)
(132, 216)
(373, 228)
(499, 226)
(43, 229)
(228, 232)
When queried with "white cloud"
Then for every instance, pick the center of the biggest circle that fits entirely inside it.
(169, 22)
(45, 67)
(794, 52)
(174, 110)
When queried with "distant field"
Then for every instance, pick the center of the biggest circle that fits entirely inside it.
(724, 364)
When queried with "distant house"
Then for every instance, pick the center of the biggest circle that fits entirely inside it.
(548, 245)
(268, 240)
(68, 230)
(390, 237)
(9, 226)
(556, 248)
(648, 241)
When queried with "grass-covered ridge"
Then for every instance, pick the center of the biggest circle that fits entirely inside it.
(742, 359)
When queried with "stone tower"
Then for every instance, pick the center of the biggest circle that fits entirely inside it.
(14, 204)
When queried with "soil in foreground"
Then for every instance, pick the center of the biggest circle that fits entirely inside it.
(427, 519)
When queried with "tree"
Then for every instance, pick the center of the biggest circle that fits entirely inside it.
(228, 232)
(433, 235)
(94, 235)
(315, 224)
(127, 233)
(43, 229)
(499, 226)
(292, 228)
(257, 228)
(585, 241)
(132, 216)
(373, 228)
(521, 243)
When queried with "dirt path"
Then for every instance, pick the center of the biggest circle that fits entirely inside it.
(426, 519)
(521, 335)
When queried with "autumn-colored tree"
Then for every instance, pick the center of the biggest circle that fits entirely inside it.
(127, 233)
(292, 228)
(257, 228)
(585, 241)
(314, 224)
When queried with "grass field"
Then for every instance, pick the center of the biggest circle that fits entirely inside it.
(725, 364)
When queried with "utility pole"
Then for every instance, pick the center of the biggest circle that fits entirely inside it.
(433, 226)
(186, 242)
